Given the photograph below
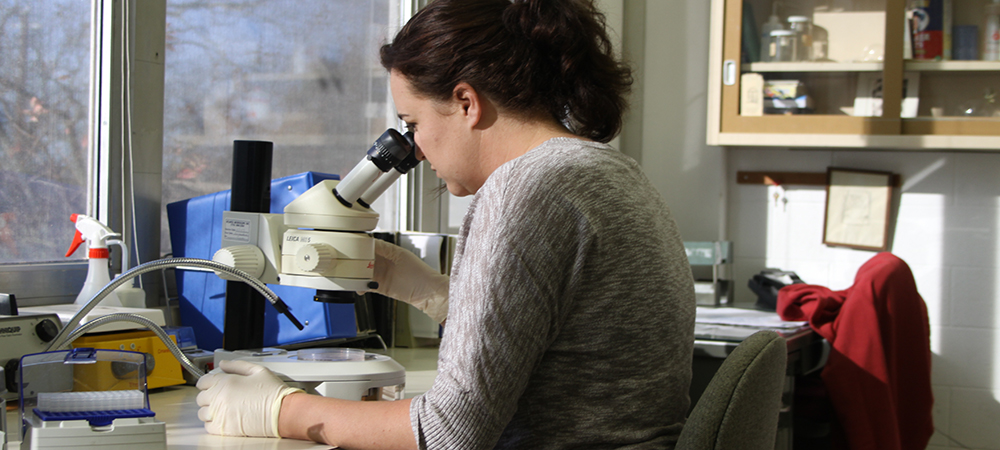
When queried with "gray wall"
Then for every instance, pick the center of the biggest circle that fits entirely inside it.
(667, 41)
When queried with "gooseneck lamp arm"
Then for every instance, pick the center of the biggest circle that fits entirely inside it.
(160, 264)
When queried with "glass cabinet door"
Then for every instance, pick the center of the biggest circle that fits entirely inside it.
(811, 66)
(959, 92)
(859, 67)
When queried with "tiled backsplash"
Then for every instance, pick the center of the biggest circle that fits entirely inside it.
(944, 224)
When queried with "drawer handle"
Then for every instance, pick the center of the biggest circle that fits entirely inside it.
(729, 72)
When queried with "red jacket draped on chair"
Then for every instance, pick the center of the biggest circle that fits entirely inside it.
(878, 376)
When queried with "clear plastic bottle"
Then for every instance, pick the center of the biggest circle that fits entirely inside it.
(773, 23)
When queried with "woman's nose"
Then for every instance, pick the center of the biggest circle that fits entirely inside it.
(420, 154)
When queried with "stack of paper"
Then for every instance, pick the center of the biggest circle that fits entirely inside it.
(744, 318)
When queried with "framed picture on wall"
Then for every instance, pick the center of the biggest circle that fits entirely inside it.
(857, 209)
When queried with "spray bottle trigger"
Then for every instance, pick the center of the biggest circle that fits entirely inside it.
(77, 240)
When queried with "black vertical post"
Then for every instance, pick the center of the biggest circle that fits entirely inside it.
(251, 192)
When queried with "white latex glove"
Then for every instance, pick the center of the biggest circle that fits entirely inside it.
(403, 276)
(244, 399)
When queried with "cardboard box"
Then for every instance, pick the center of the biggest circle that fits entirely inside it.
(931, 28)
(751, 94)
(784, 89)
(853, 36)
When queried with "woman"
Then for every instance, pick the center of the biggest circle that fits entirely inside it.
(571, 310)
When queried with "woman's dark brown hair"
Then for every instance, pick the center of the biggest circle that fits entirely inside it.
(533, 58)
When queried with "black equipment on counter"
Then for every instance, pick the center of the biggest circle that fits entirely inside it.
(766, 285)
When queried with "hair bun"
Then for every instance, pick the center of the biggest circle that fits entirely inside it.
(540, 20)
(518, 18)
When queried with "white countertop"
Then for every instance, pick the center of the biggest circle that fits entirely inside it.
(176, 407)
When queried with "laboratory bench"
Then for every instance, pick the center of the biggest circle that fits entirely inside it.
(175, 406)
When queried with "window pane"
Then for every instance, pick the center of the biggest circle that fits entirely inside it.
(303, 74)
(44, 85)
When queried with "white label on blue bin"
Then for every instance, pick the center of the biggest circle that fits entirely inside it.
(236, 230)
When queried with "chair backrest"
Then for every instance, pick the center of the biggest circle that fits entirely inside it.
(739, 408)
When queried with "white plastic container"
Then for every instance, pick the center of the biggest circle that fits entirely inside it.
(97, 278)
(991, 36)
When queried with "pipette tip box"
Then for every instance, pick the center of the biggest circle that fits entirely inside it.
(63, 405)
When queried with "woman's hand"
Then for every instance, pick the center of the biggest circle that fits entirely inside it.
(244, 399)
(404, 276)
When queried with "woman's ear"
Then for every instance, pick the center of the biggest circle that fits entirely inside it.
(469, 102)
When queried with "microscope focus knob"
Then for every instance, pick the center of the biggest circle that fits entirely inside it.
(316, 258)
(247, 258)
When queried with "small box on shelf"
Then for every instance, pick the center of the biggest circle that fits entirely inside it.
(931, 28)
(751, 94)
(784, 89)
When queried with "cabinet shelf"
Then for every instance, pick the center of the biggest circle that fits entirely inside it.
(952, 66)
(919, 66)
(815, 67)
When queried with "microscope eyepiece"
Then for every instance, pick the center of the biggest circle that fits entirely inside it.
(389, 150)
(408, 163)
(386, 152)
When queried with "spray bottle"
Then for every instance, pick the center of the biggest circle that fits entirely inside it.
(96, 234)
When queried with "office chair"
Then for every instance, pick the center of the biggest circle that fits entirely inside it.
(739, 408)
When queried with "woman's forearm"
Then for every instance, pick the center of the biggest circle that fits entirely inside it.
(347, 424)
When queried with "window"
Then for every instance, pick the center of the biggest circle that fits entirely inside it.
(303, 74)
(44, 106)
(46, 67)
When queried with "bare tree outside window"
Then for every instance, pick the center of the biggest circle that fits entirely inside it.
(300, 73)
(44, 79)
(303, 74)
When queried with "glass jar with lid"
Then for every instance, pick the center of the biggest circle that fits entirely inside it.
(781, 47)
(803, 38)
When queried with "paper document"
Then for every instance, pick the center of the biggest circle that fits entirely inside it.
(744, 318)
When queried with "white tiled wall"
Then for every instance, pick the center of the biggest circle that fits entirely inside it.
(944, 225)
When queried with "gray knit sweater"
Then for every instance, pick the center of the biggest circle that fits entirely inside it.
(571, 311)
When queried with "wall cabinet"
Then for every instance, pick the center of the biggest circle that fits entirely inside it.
(863, 79)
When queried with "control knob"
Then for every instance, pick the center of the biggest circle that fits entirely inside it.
(46, 330)
(247, 258)
(316, 258)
